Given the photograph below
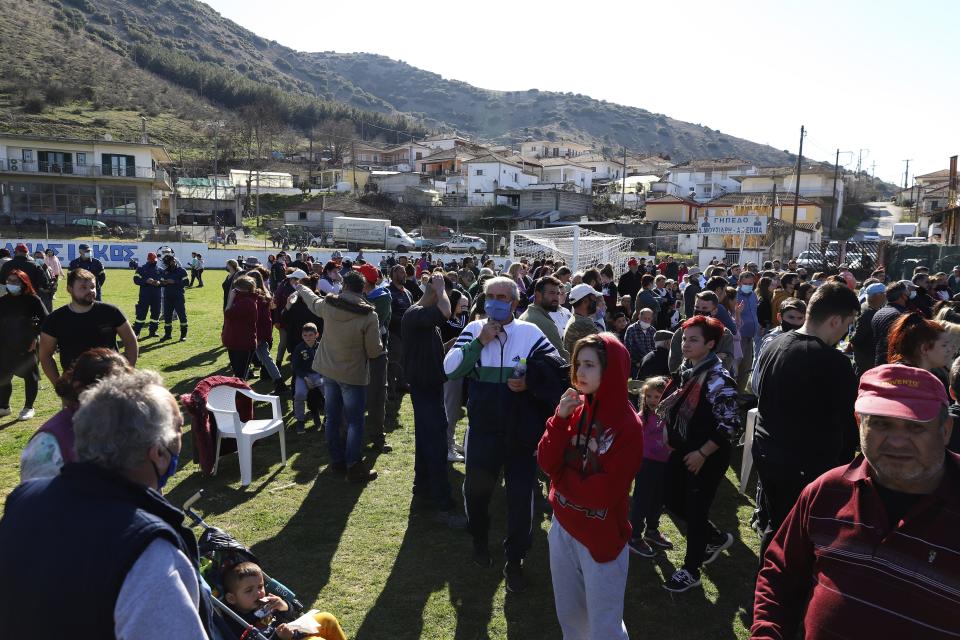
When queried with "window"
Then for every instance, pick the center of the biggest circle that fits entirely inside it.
(515, 179)
(477, 191)
(556, 152)
(707, 190)
(55, 162)
(536, 196)
(81, 160)
(301, 215)
(479, 172)
(118, 165)
(801, 214)
(119, 202)
(27, 155)
(708, 175)
(593, 169)
(62, 201)
(419, 155)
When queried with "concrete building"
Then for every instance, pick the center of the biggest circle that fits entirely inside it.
(702, 180)
(60, 181)
(488, 174)
(536, 149)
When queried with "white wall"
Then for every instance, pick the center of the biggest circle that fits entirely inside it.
(686, 179)
(507, 177)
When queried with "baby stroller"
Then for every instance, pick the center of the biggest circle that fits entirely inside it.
(219, 551)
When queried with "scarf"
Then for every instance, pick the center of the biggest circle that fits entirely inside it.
(680, 401)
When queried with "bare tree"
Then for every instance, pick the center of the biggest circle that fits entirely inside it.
(260, 127)
(336, 136)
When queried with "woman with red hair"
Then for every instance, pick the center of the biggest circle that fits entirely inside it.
(21, 314)
(925, 344)
(699, 408)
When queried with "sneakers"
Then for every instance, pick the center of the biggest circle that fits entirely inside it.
(657, 540)
(4, 412)
(714, 548)
(640, 547)
(453, 456)
(454, 521)
(682, 580)
(299, 428)
(27, 413)
(357, 474)
(513, 572)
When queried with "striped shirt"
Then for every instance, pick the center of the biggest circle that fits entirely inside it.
(495, 361)
(838, 566)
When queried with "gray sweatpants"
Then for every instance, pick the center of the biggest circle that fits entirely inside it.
(588, 594)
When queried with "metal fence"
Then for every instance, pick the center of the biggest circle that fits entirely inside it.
(862, 258)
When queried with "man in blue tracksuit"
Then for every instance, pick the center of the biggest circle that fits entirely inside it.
(749, 326)
(147, 278)
(174, 279)
(504, 429)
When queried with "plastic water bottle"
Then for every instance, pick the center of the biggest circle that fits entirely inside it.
(520, 369)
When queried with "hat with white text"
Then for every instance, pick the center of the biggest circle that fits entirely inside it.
(899, 391)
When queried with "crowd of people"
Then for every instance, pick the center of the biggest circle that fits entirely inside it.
(625, 393)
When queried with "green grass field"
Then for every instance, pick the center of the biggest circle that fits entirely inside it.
(361, 553)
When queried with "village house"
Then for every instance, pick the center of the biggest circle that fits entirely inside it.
(671, 208)
(563, 171)
(536, 149)
(702, 180)
(443, 141)
(489, 174)
(816, 185)
(68, 181)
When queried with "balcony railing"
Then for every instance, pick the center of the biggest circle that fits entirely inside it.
(13, 165)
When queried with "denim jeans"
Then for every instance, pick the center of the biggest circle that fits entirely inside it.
(344, 399)
(263, 353)
(301, 391)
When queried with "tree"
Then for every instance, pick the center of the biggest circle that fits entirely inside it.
(336, 136)
(259, 128)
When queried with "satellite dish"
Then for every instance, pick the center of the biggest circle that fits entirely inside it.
(107, 137)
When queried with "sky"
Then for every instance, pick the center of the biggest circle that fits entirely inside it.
(875, 80)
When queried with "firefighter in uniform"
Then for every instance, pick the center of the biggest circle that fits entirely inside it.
(174, 279)
(147, 278)
(91, 264)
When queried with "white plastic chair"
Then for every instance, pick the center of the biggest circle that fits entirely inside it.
(746, 466)
(222, 403)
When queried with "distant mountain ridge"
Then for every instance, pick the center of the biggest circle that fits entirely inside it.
(181, 56)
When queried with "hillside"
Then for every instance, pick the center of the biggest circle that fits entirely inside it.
(180, 62)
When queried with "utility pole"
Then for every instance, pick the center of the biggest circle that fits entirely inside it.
(906, 174)
(623, 183)
(310, 166)
(796, 194)
(835, 217)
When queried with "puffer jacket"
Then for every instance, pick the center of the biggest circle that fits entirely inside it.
(240, 323)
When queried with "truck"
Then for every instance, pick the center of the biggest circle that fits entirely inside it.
(370, 233)
(904, 230)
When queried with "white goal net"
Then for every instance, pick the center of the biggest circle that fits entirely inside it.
(579, 248)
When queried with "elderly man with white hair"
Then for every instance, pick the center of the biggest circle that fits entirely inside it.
(504, 418)
(98, 543)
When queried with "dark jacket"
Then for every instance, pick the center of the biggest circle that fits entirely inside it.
(302, 360)
(178, 280)
(92, 265)
(883, 319)
(654, 363)
(147, 271)
(629, 284)
(20, 319)
(647, 299)
(240, 323)
(87, 526)
(862, 340)
(690, 296)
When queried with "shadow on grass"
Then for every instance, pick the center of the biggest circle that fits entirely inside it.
(207, 357)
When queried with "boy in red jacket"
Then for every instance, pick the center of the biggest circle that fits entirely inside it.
(592, 449)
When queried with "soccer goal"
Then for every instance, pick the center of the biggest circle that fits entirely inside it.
(579, 248)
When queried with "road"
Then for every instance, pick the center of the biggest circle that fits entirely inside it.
(886, 214)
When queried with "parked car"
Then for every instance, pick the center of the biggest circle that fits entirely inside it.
(463, 243)
(811, 260)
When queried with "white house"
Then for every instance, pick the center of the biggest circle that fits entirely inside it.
(61, 180)
(490, 173)
(556, 149)
(563, 171)
(443, 141)
(706, 179)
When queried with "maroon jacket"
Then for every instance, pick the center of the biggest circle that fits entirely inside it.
(204, 428)
(240, 323)
(264, 321)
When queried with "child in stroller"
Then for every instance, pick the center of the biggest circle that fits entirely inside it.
(244, 592)
(250, 605)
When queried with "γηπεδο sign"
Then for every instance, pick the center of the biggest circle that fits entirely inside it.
(752, 225)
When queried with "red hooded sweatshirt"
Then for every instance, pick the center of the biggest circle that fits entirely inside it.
(590, 485)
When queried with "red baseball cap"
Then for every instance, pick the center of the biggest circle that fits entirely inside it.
(21, 248)
(369, 272)
(899, 391)
(151, 257)
(632, 262)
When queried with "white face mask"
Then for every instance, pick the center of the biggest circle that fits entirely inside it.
(644, 325)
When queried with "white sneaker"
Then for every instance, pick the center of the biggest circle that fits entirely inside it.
(26, 414)
(453, 456)
(4, 412)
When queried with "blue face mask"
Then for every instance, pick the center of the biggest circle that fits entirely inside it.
(497, 310)
(172, 469)
(746, 288)
(913, 294)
